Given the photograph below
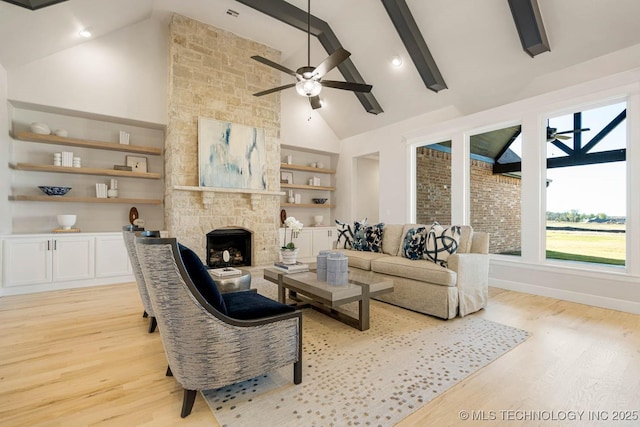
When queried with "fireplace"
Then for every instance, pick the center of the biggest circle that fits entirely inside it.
(237, 241)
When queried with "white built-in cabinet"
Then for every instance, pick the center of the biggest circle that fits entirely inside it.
(310, 241)
(34, 263)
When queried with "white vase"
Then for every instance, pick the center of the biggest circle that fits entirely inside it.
(289, 256)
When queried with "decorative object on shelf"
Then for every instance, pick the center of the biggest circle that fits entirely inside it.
(77, 162)
(57, 159)
(101, 190)
(288, 159)
(289, 252)
(315, 181)
(297, 198)
(318, 220)
(66, 221)
(112, 193)
(283, 216)
(133, 215)
(124, 138)
(122, 168)
(40, 128)
(231, 155)
(54, 191)
(319, 201)
(286, 177)
(291, 199)
(61, 132)
(137, 163)
(320, 165)
(313, 164)
(67, 158)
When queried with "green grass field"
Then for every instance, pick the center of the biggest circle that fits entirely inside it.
(600, 247)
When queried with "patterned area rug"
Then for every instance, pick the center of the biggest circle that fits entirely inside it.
(371, 378)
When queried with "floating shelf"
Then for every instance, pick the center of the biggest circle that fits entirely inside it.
(83, 171)
(67, 199)
(287, 166)
(307, 205)
(101, 145)
(307, 187)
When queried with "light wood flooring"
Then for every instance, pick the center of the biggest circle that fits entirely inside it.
(84, 357)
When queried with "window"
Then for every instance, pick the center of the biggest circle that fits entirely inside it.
(586, 186)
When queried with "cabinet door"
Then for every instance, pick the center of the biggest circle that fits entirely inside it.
(26, 261)
(322, 240)
(112, 258)
(72, 258)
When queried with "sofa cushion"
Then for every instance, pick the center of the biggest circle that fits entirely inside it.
(441, 243)
(421, 270)
(392, 238)
(201, 278)
(360, 259)
(414, 243)
(367, 238)
(250, 305)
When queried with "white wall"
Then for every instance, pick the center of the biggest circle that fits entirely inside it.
(122, 74)
(5, 155)
(368, 189)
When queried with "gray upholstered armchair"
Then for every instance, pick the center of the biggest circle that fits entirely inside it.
(128, 235)
(212, 340)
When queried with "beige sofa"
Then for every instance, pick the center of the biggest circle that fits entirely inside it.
(421, 285)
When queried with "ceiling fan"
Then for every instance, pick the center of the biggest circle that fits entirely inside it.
(309, 79)
(553, 134)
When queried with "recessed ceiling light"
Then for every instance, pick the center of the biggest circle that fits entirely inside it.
(85, 33)
(396, 61)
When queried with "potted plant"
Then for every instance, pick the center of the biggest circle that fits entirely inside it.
(289, 252)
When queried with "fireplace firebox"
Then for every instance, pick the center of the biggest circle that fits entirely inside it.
(236, 241)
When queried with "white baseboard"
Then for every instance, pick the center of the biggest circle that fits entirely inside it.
(45, 287)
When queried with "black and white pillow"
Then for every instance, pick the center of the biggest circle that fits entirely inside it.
(442, 243)
(345, 235)
(414, 243)
(367, 238)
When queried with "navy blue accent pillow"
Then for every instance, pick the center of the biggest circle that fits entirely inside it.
(202, 279)
(367, 238)
(250, 305)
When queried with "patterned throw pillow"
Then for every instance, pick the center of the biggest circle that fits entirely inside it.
(367, 238)
(414, 243)
(345, 235)
(441, 243)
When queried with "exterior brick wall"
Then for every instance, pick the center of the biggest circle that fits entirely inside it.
(212, 75)
(495, 199)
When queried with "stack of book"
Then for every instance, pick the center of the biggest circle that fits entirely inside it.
(101, 191)
(298, 267)
(226, 271)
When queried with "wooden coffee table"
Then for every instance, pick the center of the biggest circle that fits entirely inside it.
(308, 291)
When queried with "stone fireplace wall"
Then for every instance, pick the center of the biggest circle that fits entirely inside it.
(212, 75)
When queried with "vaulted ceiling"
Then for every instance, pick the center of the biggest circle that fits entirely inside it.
(474, 43)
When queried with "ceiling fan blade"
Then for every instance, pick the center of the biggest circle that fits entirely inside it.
(315, 102)
(573, 131)
(355, 87)
(331, 62)
(275, 89)
(272, 64)
(563, 137)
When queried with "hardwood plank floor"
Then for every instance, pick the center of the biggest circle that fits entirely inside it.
(84, 357)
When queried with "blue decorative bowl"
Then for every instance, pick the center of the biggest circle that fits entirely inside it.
(319, 201)
(54, 191)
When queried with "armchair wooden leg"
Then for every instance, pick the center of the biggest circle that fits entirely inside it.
(187, 402)
(297, 372)
(152, 324)
(169, 373)
(145, 314)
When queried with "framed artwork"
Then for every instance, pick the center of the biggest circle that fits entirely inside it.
(137, 163)
(231, 155)
(286, 177)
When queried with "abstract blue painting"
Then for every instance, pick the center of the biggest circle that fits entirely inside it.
(231, 155)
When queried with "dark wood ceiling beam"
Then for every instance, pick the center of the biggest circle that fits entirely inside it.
(34, 4)
(297, 18)
(528, 20)
(413, 41)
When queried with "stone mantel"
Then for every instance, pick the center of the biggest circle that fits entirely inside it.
(208, 193)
